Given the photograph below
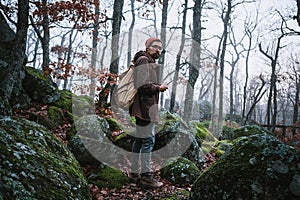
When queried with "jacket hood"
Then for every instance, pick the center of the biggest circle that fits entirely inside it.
(142, 53)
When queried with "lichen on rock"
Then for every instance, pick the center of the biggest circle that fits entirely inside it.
(256, 167)
(180, 170)
(35, 165)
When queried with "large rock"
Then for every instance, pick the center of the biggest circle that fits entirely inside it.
(180, 171)
(40, 88)
(104, 176)
(35, 165)
(89, 142)
(175, 138)
(203, 136)
(256, 167)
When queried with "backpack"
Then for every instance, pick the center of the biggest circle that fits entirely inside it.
(125, 92)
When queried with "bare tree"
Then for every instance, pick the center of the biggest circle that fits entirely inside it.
(44, 36)
(94, 46)
(272, 100)
(297, 16)
(294, 75)
(249, 28)
(116, 27)
(259, 92)
(178, 57)
(226, 22)
(130, 32)
(195, 58)
(235, 57)
(12, 72)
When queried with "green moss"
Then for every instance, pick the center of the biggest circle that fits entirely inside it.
(108, 177)
(180, 170)
(203, 136)
(65, 101)
(202, 133)
(183, 194)
(36, 73)
(55, 116)
(249, 130)
(222, 146)
(114, 125)
(256, 167)
(36, 165)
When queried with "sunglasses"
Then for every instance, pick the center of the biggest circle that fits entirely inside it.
(156, 47)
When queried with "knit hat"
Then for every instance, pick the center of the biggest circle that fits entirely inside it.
(150, 41)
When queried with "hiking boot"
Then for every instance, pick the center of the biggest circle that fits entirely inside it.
(134, 177)
(149, 182)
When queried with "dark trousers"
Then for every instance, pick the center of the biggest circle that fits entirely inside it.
(142, 146)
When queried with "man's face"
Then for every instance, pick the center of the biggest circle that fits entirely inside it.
(155, 49)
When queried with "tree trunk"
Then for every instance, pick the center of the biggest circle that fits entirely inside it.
(297, 100)
(130, 33)
(94, 47)
(116, 26)
(178, 57)
(195, 60)
(222, 66)
(68, 61)
(214, 124)
(11, 69)
(272, 108)
(46, 38)
(249, 34)
(298, 12)
(161, 60)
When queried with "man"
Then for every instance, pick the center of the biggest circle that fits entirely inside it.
(145, 111)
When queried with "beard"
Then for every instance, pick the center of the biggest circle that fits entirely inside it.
(155, 55)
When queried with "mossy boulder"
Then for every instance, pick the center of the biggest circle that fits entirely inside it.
(222, 146)
(107, 177)
(249, 130)
(175, 138)
(35, 165)
(49, 116)
(256, 167)
(55, 116)
(180, 171)
(90, 144)
(19, 98)
(82, 105)
(39, 87)
(204, 137)
(65, 100)
(180, 194)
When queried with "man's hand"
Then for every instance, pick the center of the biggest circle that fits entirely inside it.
(163, 87)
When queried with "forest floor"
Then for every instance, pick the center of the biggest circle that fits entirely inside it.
(133, 191)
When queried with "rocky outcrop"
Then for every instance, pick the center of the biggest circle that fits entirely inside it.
(256, 167)
(39, 87)
(90, 144)
(180, 171)
(35, 165)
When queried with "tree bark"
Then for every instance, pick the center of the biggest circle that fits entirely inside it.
(297, 95)
(272, 108)
(222, 66)
(116, 26)
(11, 75)
(178, 57)
(130, 33)
(195, 60)
(161, 60)
(298, 12)
(94, 47)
